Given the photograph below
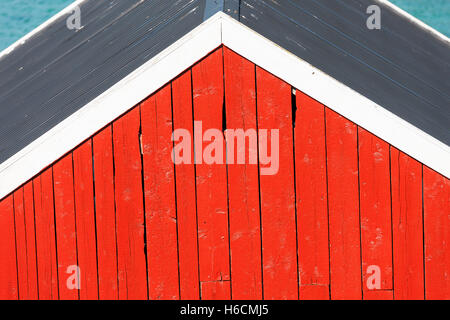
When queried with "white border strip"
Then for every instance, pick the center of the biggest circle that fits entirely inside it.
(414, 20)
(24, 39)
(114, 102)
(220, 29)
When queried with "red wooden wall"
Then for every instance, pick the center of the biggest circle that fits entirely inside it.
(140, 227)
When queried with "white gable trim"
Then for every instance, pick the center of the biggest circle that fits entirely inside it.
(219, 29)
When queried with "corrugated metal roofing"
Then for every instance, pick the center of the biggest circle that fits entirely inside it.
(402, 67)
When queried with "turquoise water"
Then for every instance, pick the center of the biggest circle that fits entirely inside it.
(435, 13)
(18, 17)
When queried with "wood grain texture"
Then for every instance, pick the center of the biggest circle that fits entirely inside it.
(211, 179)
(343, 199)
(375, 200)
(66, 238)
(159, 190)
(406, 179)
(215, 290)
(46, 236)
(279, 240)
(436, 190)
(8, 267)
(379, 295)
(85, 219)
(314, 292)
(30, 232)
(132, 266)
(243, 181)
(105, 214)
(21, 244)
(186, 197)
(312, 200)
(25, 242)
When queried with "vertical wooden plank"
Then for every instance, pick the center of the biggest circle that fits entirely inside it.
(243, 181)
(215, 290)
(343, 200)
(186, 197)
(279, 239)
(159, 187)
(211, 179)
(379, 295)
(132, 267)
(30, 233)
(8, 265)
(21, 245)
(45, 236)
(375, 200)
(65, 227)
(85, 220)
(105, 214)
(314, 292)
(436, 190)
(312, 207)
(407, 226)
(21, 253)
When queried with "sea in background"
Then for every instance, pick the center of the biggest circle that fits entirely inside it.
(18, 17)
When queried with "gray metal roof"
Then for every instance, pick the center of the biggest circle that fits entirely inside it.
(402, 67)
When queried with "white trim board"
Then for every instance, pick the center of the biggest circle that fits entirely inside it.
(219, 29)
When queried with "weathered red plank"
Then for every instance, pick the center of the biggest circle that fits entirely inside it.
(314, 292)
(66, 229)
(211, 179)
(85, 219)
(215, 290)
(375, 201)
(21, 244)
(279, 239)
(8, 266)
(132, 267)
(25, 243)
(312, 207)
(406, 181)
(379, 295)
(343, 199)
(159, 187)
(45, 236)
(243, 181)
(186, 197)
(105, 214)
(436, 190)
(30, 234)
